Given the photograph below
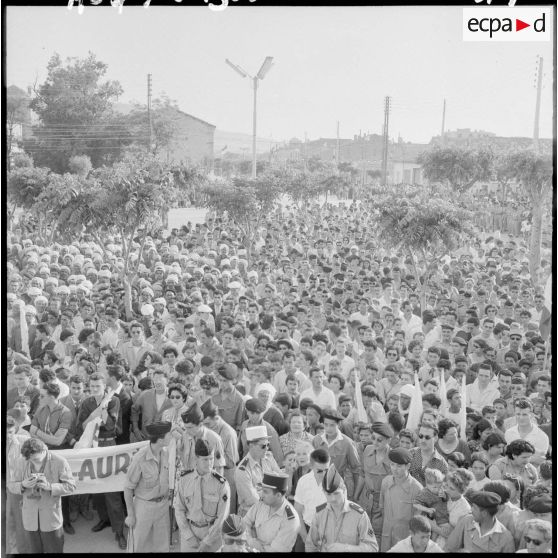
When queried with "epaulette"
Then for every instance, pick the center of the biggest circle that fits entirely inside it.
(243, 462)
(356, 507)
(290, 512)
(219, 477)
(183, 473)
(321, 507)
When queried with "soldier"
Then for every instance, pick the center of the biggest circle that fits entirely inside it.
(272, 523)
(234, 535)
(230, 444)
(146, 493)
(193, 431)
(201, 503)
(250, 471)
(340, 525)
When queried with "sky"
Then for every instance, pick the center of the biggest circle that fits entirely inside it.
(331, 64)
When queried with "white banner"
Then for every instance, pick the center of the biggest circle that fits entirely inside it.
(98, 470)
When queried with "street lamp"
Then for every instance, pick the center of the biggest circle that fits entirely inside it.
(266, 66)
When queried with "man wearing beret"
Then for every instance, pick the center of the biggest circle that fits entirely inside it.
(255, 409)
(375, 463)
(342, 449)
(202, 503)
(272, 523)
(146, 493)
(480, 531)
(397, 494)
(194, 430)
(249, 472)
(339, 525)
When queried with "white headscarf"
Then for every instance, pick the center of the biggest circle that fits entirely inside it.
(270, 389)
(23, 326)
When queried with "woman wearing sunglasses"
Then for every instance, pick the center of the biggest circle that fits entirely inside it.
(537, 537)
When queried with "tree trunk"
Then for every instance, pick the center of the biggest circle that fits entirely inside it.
(535, 243)
(421, 286)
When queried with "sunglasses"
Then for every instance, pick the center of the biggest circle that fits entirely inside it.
(378, 438)
(175, 397)
(536, 542)
(515, 338)
(264, 446)
(425, 436)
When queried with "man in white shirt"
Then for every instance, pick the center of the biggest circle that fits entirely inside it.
(483, 391)
(347, 363)
(309, 493)
(409, 322)
(419, 541)
(527, 429)
(318, 393)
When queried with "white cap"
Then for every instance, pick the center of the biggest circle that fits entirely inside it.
(147, 310)
(256, 433)
(204, 308)
(407, 390)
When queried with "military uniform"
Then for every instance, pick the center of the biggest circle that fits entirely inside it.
(248, 478)
(348, 528)
(148, 478)
(187, 453)
(351, 528)
(275, 531)
(201, 505)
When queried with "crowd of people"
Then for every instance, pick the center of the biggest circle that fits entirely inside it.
(274, 388)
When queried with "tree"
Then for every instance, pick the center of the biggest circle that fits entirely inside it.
(75, 111)
(247, 203)
(17, 114)
(80, 165)
(424, 227)
(164, 124)
(460, 168)
(534, 172)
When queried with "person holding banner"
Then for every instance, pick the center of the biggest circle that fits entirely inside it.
(106, 406)
(202, 503)
(147, 491)
(42, 478)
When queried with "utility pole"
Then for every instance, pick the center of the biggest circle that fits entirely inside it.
(149, 123)
(304, 151)
(387, 102)
(444, 122)
(363, 166)
(538, 104)
(254, 159)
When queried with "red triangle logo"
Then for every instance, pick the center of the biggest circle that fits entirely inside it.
(519, 25)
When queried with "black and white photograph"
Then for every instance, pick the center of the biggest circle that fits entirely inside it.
(278, 278)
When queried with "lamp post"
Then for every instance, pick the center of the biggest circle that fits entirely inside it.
(267, 63)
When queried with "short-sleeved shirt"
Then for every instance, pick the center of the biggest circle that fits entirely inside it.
(148, 476)
(310, 495)
(466, 536)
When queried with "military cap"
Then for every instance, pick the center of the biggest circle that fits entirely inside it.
(254, 433)
(279, 481)
(255, 405)
(158, 428)
(332, 480)
(332, 414)
(192, 415)
(484, 499)
(540, 504)
(233, 527)
(209, 409)
(400, 456)
(202, 448)
(458, 339)
(227, 371)
(447, 326)
(383, 429)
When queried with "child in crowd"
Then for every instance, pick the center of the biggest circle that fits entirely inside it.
(432, 500)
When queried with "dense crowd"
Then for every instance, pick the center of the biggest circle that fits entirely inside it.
(275, 386)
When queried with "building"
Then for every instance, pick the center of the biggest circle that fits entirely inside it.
(192, 143)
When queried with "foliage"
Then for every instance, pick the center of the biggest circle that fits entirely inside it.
(164, 124)
(25, 184)
(421, 224)
(22, 160)
(75, 111)
(534, 172)
(460, 167)
(247, 202)
(80, 165)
